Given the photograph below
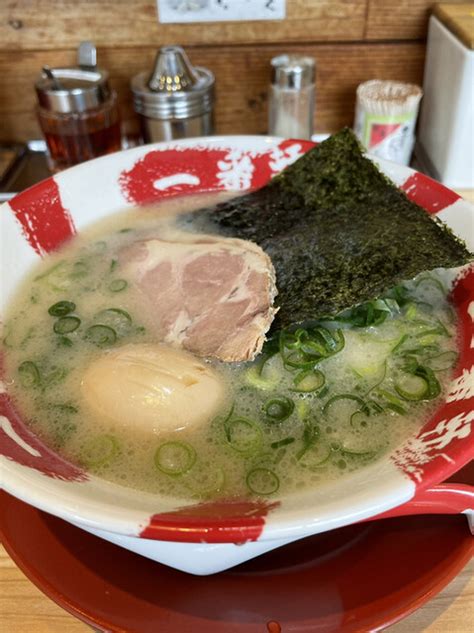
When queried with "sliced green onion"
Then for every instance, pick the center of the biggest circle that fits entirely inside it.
(360, 420)
(396, 408)
(315, 456)
(116, 318)
(412, 311)
(433, 282)
(29, 374)
(371, 313)
(279, 409)
(56, 277)
(308, 381)
(262, 481)
(205, 480)
(298, 360)
(443, 361)
(330, 340)
(175, 458)
(61, 308)
(117, 285)
(64, 341)
(302, 349)
(340, 341)
(100, 450)
(323, 393)
(284, 442)
(344, 396)
(400, 294)
(392, 402)
(265, 383)
(56, 375)
(372, 407)
(310, 436)
(439, 330)
(313, 349)
(67, 324)
(243, 435)
(425, 375)
(79, 269)
(113, 265)
(434, 388)
(261, 375)
(359, 452)
(412, 387)
(403, 338)
(369, 371)
(378, 381)
(421, 349)
(291, 340)
(100, 335)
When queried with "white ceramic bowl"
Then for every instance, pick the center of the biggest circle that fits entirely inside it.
(202, 538)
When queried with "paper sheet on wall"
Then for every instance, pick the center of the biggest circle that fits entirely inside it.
(176, 11)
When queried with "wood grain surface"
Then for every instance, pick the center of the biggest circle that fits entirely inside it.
(24, 608)
(46, 24)
(242, 79)
(400, 20)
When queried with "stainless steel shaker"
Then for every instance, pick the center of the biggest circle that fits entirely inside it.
(176, 100)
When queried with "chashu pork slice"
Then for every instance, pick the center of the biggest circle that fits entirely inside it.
(208, 294)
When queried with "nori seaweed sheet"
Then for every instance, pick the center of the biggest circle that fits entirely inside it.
(339, 233)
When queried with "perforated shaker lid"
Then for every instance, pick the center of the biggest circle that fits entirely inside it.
(175, 89)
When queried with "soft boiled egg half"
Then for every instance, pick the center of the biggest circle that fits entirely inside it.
(153, 387)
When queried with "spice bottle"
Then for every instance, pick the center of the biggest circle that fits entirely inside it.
(176, 100)
(77, 111)
(292, 96)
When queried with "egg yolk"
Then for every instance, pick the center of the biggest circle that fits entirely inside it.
(153, 387)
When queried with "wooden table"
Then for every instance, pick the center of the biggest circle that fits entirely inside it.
(23, 608)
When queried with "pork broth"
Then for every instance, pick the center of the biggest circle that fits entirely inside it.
(317, 403)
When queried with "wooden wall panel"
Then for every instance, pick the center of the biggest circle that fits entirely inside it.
(242, 75)
(46, 24)
(403, 19)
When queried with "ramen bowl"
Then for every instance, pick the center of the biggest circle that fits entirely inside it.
(207, 537)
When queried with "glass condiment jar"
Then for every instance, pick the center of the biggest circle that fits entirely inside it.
(292, 96)
(77, 111)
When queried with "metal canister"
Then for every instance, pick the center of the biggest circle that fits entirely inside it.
(176, 100)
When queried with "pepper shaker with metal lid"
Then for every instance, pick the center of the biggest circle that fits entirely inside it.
(176, 100)
(292, 92)
(77, 111)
